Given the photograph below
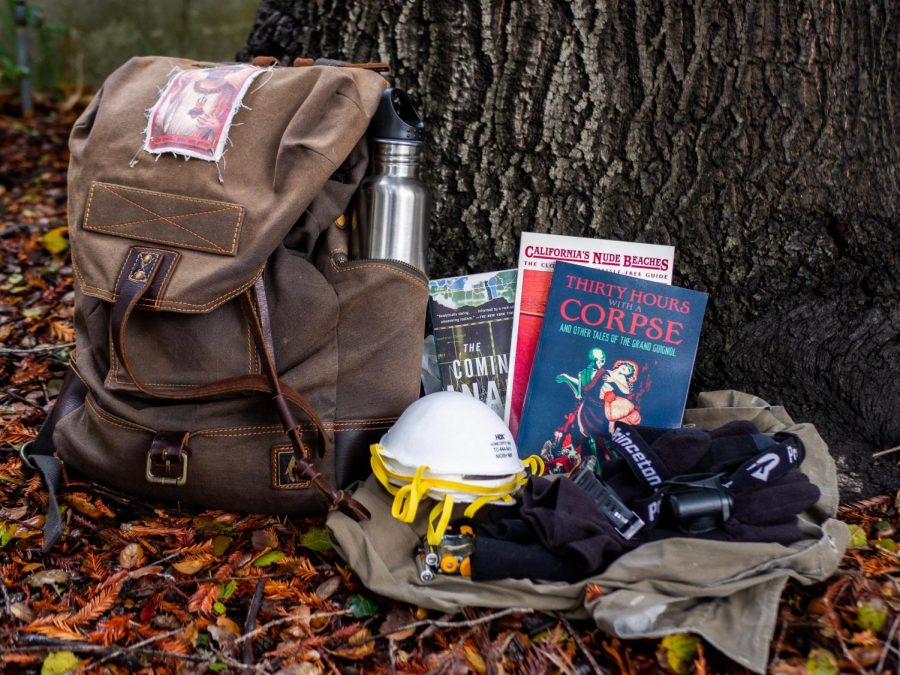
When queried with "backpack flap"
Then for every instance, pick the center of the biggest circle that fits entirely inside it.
(269, 140)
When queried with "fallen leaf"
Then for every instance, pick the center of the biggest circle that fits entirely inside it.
(593, 592)
(263, 539)
(131, 556)
(223, 636)
(327, 588)
(866, 656)
(145, 571)
(7, 530)
(220, 544)
(22, 612)
(871, 615)
(59, 663)
(227, 590)
(474, 658)
(229, 625)
(47, 578)
(362, 606)
(679, 651)
(191, 565)
(887, 544)
(302, 668)
(316, 539)
(82, 503)
(203, 599)
(396, 619)
(360, 646)
(858, 537)
(55, 240)
(822, 662)
(267, 559)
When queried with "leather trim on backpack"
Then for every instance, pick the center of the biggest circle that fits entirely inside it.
(284, 469)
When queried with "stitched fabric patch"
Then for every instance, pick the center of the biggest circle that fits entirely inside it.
(195, 110)
(186, 222)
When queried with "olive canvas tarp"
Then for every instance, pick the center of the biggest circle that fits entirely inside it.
(726, 592)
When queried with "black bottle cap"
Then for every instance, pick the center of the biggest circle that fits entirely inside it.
(396, 118)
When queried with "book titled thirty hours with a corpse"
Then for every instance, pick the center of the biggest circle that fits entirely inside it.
(472, 320)
(612, 349)
(538, 254)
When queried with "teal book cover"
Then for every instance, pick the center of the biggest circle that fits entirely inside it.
(472, 317)
(611, 348)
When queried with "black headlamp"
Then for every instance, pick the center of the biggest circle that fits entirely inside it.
(697, 503)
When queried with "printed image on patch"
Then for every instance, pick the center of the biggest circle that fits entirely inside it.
(195, 110)
(283, 465)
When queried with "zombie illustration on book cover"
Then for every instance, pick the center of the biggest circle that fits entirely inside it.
(612, 349)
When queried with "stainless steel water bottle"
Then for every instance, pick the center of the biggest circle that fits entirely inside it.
(394, 204)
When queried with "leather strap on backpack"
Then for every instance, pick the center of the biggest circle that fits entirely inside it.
(301, 62)
(258, 316)
(137, 281)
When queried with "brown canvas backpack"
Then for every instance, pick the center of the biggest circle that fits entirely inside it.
(229, 352)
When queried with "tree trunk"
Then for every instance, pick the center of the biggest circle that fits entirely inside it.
(759, 138)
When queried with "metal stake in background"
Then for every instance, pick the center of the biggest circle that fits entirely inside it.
(21, 19)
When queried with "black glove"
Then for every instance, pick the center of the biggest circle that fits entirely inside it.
(760, 492)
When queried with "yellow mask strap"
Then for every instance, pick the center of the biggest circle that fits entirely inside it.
(379, 469)
(407, 498)
(534, 464)
(444, 509)
(472, 508)
(384, 474)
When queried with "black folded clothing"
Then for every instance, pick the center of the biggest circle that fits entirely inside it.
(558, 533)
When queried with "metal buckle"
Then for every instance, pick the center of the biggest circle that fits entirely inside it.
(166, 480)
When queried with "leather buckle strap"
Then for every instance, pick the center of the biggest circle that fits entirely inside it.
(169, 449)
(143, 277)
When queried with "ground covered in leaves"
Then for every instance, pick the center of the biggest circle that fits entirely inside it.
(142, 587)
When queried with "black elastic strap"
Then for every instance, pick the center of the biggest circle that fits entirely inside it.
(40, 454)
(768, 466)
(645, 464)
(765, 461)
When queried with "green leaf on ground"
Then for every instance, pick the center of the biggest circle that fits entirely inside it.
(871, 615)
(227, 590)
(267, 559)
(680, 650)
(55, 240)
(858, 537)
(822, 662)
(59, 663)
(362, 606)
(316, 539)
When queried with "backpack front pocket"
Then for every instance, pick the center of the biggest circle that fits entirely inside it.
(185, 350)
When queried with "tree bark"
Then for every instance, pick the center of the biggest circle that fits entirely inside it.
(759, 138)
